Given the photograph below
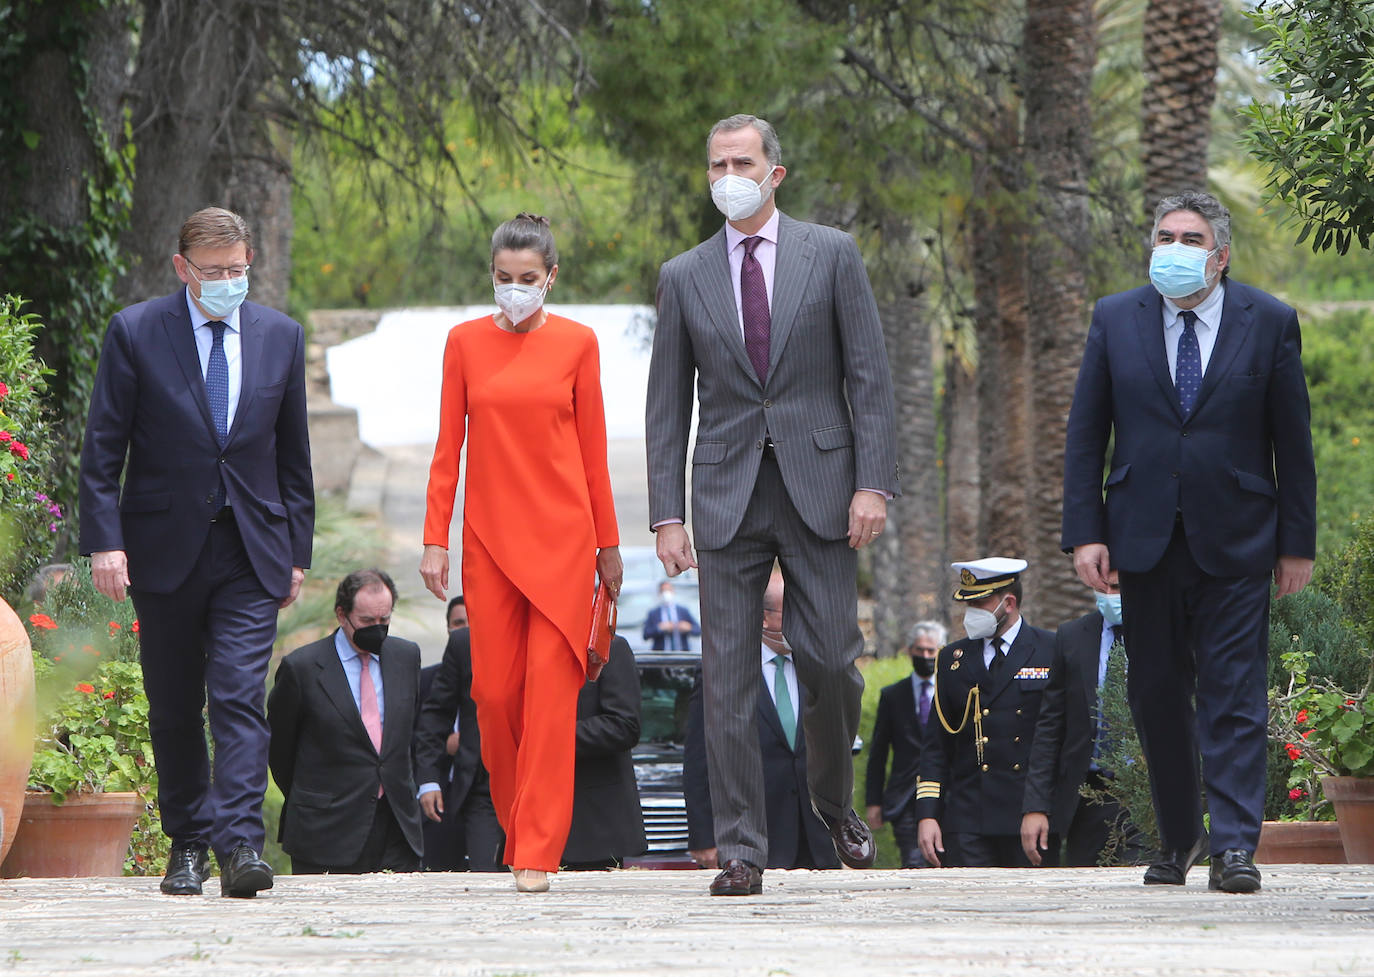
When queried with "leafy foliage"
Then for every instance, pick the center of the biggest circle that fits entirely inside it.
(29, 517)
(1318, 139)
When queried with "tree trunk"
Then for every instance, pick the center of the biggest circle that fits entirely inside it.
(1180, 60)
(962, 541)
(1058, 54)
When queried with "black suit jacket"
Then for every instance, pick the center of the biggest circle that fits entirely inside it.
(897, 727)
(323, 760)
(1239, 469)
(791, 821)
(954, 787)
(1067, 727)
(607, 822)
(450, 695)
(149, 399)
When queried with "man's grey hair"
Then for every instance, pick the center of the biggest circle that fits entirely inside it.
(772, 149)
(933, 629)
(1201, 203)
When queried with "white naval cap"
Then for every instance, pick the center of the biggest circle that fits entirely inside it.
(978, 578)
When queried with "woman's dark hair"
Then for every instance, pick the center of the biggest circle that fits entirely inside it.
(526, 232)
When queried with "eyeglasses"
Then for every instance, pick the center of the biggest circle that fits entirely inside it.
(216, 272)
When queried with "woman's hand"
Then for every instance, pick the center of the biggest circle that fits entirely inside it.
(434, 570)
(609, 568)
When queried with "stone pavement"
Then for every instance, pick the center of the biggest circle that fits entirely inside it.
(1308, 920)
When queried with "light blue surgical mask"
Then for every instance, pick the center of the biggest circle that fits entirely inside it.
(219, 297)
(1109, 606)
(1178, 270)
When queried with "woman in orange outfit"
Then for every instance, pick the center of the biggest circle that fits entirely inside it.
(524, 386)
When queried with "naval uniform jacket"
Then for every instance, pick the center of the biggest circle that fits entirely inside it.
(954, 787)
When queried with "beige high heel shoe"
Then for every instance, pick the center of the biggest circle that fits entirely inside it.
(530, 880)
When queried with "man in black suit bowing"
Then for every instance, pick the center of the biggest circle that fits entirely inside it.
(204, 393)
(903, 711)
(1197, 382)
(342, 710)
(977, 742)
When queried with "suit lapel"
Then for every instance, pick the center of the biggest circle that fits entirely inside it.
(1231, 336)
(711, 276)
(393, 695)
(769, 711)
(334, 683)
(791, 270)
(181, 339)
(1149, 328)
(250, 356)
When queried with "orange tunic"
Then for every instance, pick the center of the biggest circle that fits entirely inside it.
(538, 490)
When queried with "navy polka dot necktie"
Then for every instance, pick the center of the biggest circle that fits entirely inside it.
(217, 390)
(1188, 364)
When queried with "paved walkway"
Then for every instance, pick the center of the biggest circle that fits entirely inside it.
(1308, 920)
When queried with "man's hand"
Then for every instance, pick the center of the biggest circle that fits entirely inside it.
(867, 517)
(1292, 574)
(297, 578)
(930, 839)
(875, 816)
(110, 573)
(434, 570)
(685, 627)
(674, 548)
(705, 857)
(451, 744)
(432, 803)
(1092, 562)
(1035, 835)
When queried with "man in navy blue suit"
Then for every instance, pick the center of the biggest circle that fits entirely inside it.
(1211, 490)
(669, 626)
(205, 394)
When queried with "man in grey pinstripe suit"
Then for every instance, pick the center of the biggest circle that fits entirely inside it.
(795, 458)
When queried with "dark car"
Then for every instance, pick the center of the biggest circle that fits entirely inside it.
(665, 682)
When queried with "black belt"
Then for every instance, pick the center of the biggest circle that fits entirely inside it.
(225, 514)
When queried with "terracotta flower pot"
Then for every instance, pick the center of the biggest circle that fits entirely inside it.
(1353, 799)
(16, 722)
(86, 837)
(1300, 842)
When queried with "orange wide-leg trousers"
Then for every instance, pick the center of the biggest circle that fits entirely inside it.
(525, 682)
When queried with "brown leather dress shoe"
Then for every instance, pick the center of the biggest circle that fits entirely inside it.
(738, 878)
(853, 840)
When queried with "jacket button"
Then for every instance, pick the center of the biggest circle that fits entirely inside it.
(759, 445)
(987, 712)
(1173, 474)
(986, 740)
(209, 500)
(767, 403)
(1018, 712)
(1016, 766)
(1016, 739)
(985, 768)
(1187, 433)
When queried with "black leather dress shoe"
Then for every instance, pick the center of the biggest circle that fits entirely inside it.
(1234, 871)
(187, 867)
(738, 878)
(853, 840)
(1172, 869)
(243, 874)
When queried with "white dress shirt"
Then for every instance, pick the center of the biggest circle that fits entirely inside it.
(205, 338)
(1208, 322)
(1008, 639)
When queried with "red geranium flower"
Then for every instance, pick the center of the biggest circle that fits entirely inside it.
(43, 621)
(1296, 794)
(5, 436)
(134, 627)
(1306, 733)
(20, 449)
(9, 476)
(86, 687)
(3, 389)
(1293, 752)
(1348, 703)
(108, 695)
(1301, 716)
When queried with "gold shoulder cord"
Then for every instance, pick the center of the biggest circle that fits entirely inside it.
(972, 703)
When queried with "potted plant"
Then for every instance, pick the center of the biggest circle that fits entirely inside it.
(1328, 734)
(91, 804)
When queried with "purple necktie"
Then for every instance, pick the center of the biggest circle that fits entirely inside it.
(923, 708)
(1188, 364)
(753, 300)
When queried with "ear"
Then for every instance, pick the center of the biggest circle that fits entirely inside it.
(341, 616)
(778, 174)
(179, 266)
(553, 275)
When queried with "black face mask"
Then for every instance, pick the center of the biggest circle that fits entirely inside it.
(922, 666)
(370, 638)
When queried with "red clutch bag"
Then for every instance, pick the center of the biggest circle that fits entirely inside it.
(603, 630)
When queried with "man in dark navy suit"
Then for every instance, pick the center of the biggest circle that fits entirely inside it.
(1197, 381)
(205, 393)
(669, 626)
(797, 837)
(903, 710)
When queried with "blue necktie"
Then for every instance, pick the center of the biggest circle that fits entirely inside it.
(217, 390)
(1188, 364)
(782, 698)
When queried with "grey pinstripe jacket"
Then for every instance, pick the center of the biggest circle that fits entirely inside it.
(827, 403)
